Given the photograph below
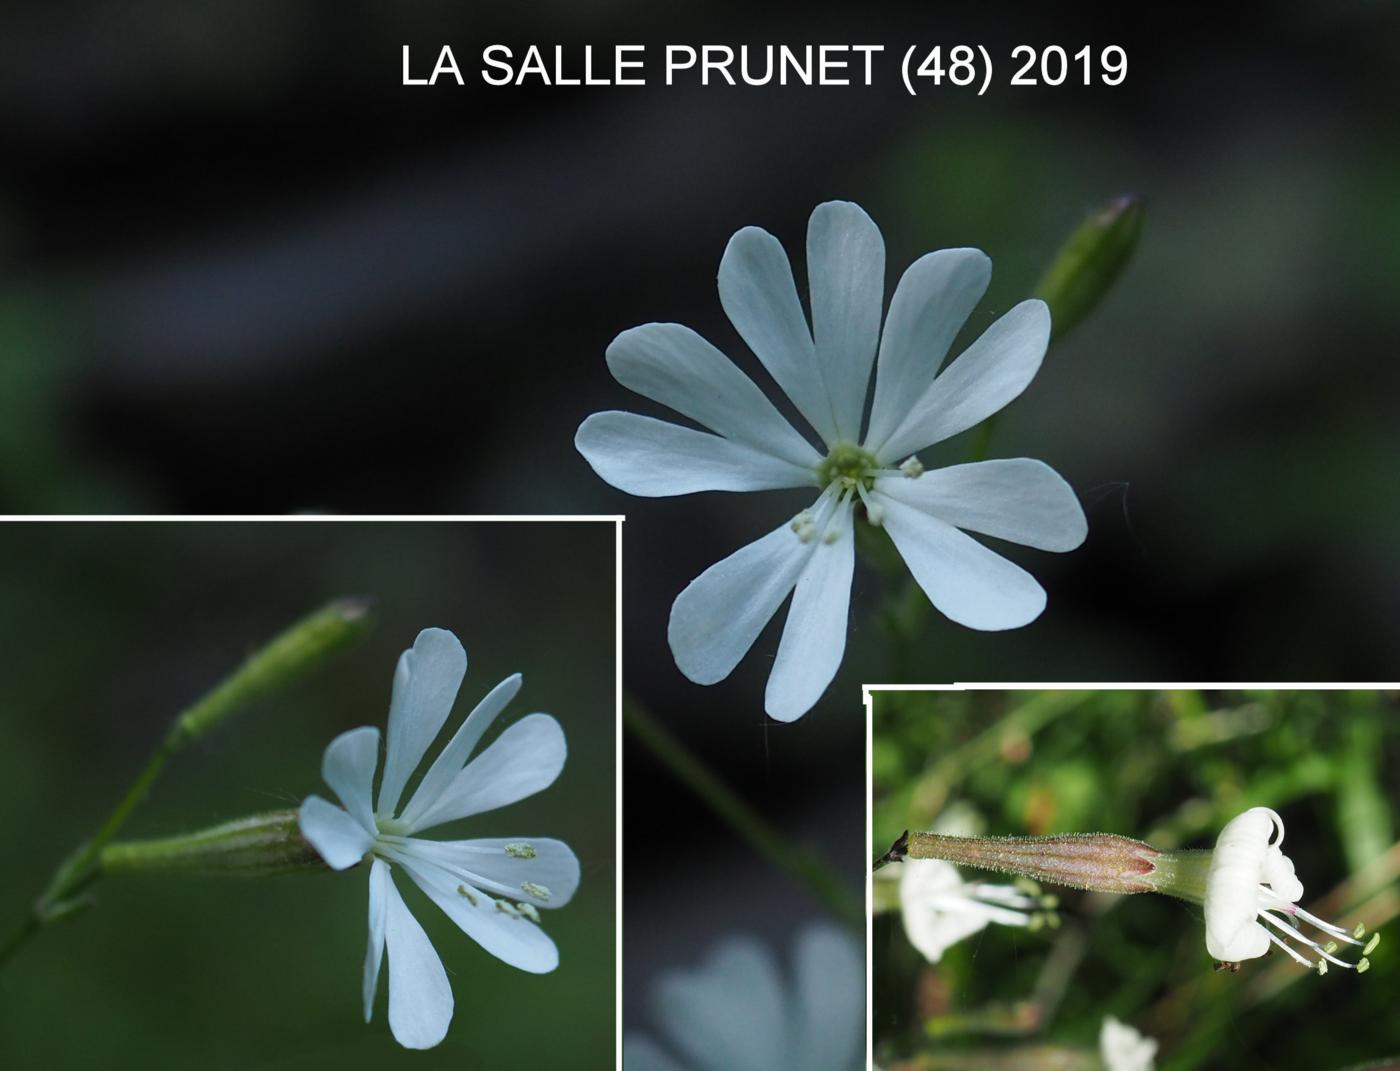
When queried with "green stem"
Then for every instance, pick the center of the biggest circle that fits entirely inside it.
(17, 940)
(743, 819)
(284, 659)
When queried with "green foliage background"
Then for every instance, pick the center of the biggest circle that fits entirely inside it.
(110, 629)
(1169, 768)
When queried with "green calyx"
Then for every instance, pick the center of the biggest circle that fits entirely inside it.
(259, 846)
(849, 465)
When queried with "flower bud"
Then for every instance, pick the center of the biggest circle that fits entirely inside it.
(303, 646)
(1090, 261)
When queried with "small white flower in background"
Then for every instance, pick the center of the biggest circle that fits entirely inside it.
(939, 909)
(1124, 1049)
(736, 1011)
(1251, 882)
(492, 889)
(825, 371)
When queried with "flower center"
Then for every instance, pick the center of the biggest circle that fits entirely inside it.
(392, 827)
(849, 467)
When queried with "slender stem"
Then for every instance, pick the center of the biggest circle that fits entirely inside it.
(18, 939)
(285, 658)
(743, 819)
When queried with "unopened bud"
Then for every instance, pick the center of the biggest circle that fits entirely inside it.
(1089, 262)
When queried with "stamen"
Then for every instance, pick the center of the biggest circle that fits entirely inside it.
(520, 850)
(912, 467)
(1285, 946)
(874, 512)
(1326, 951)
(528, 911)
(462, 890)
(539, 892)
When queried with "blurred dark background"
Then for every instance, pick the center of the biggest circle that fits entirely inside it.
(242, 268)
(109, 630)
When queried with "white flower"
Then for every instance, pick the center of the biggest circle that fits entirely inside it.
(490, 888)
(825, 371)
(939, 909)
(1250, 882)
(1124, 1049)
(735, 1012)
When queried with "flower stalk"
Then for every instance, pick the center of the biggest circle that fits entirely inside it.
(289, 656)
(798, 863)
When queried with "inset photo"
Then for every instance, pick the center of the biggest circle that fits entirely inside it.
(1130, 878)
(309, 793)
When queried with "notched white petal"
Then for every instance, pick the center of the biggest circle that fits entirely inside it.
(846, 270)
(933, 299)
(968, 583)
(420, 996)
(652, 458)
(716, 619)
(524, 759)
(1017, 499)
(425, 687)
(671, 364)
(757, 291)
(348, 766)
(339, 839)
(453, 757)
(496, 925)
(814, 636)
(988, 375)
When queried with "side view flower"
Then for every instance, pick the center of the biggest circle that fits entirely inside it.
(1250, 883)
(864, 467)
(939, 908)
(1123, 1048)
(1247, 887)
(491, 888)
(736, 1011)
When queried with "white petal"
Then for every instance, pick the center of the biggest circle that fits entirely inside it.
(814, 637)
(671, 364)
(988, 375)
(645, 456)
(454, 756)
(846, 271)
(924, 888)
(935, 296)
(758, 294)
(420, 997)
(1018, 499)
(333, 832)
(716, 619)
(1232, 886)
(485, 864)
(348, 767)
(524, 759)
(830, 999)
(1124, 1049)
(425, 686)
(510, 938)
(969, 583)
(729, 1014)
(641, 1054)
(379, 880)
